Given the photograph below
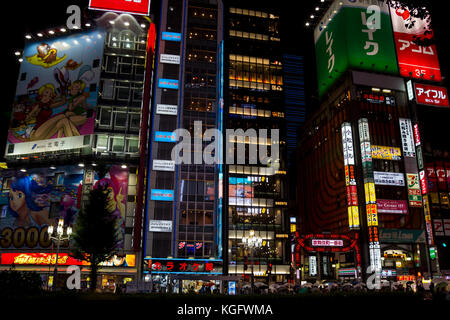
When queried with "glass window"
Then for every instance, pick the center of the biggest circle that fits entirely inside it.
(133, 145)
(108, 89)
(118, 144)
(135, 121)
(102, 142)
(120, 120)
(126, 65)
(111, 64)
(105, 116)
(123, 92)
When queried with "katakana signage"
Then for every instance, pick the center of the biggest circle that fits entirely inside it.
(193, 266)
(354, 35)
(415, 58)
(431, 95)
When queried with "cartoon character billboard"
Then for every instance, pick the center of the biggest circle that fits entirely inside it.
(57, 89)
(34, 200)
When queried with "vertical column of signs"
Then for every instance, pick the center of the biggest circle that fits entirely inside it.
(423, 184)
(165, 136)
(409, 153)
(370, 196)
(350, 181)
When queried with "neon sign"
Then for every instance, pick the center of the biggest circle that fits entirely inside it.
(202, 266)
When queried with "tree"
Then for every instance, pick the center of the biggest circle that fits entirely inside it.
(95, 233)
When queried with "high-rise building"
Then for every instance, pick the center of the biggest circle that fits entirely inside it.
(79, 121)
(183, 236)
(218, 67)
(362, 192)
(255, 190)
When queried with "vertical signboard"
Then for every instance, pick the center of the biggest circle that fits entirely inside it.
(354, 35)
(407, 136)
(416, 59)
(414, 194)
(350, 181)
(57, 90)
(370, 195)
(312, 266)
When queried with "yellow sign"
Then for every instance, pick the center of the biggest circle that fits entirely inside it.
(355, 212)
(350, 217)
(386, 153)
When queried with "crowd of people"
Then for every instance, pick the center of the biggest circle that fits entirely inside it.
(429, 291)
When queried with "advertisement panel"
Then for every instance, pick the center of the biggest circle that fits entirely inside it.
(386, 153)
(168, 84)
(415, 58)
(389, 178)
(447, 227)
(174, 266)
(141, 7)
(438, 226)
(39, 197)
(414, 194)
(402, 236)
(164, 136)
(431, 95)
(312, 266)
(49, 145)
(169, 58)
(57, 90)
(327, 243)
(392, 206)
(171, 36)
(163, 165)
(407, 135)
(160, 226)
(347, 142)
(162, 195)
(166, 109)
(352, 35)
(423, 182)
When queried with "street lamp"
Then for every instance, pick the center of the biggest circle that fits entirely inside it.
(58, 237)
(252, 242)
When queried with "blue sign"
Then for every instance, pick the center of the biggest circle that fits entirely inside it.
(232, 288)
(164, 136)
(168, 83)
(171, 36)
(162, 195)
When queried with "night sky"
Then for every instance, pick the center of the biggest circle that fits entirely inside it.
(296, 38)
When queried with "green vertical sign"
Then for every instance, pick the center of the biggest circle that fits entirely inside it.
(354, 36)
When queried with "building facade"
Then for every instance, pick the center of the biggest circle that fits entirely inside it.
(79, 121)
(363, 206)
(211, 75)
(184, 221)
(255, 191)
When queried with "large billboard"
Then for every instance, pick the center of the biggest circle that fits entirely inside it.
(417, 58)
(33, 200)
(354, 35)
(57, 89)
